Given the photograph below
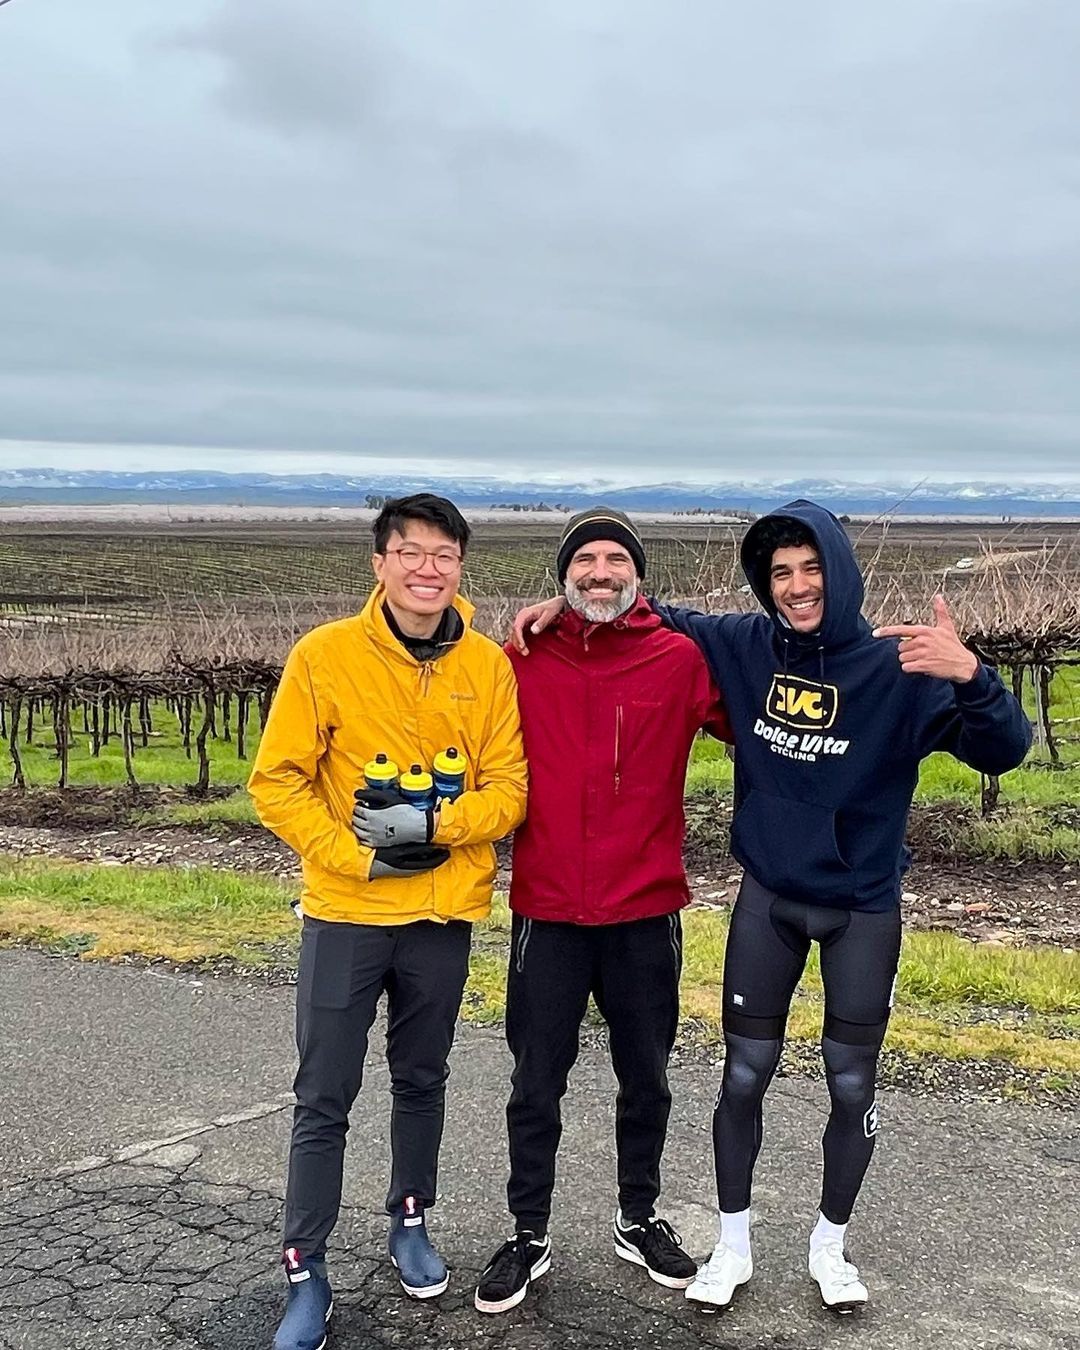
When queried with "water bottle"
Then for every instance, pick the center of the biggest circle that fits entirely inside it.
(449, 773)
(418, 788)
(381, 772)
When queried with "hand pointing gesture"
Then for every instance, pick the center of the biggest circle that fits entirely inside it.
(933, 649)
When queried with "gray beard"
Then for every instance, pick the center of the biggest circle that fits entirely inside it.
(600, 611)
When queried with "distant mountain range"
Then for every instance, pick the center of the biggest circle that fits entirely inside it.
(96, 487)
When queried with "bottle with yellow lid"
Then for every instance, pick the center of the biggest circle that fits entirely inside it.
(448, 772)
(417, 787)
(381, 772)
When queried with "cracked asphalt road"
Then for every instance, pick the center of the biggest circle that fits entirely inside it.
(142, 1165)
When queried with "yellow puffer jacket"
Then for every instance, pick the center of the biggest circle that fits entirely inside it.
(350, 690)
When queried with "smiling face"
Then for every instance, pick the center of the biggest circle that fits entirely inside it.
(419, 587)
(601, 581)
(797, 587)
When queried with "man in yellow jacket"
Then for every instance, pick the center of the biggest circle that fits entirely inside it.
(391, 886)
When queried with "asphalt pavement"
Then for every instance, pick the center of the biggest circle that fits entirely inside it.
(145, 1119)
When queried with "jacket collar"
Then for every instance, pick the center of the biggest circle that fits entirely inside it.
(378, 630)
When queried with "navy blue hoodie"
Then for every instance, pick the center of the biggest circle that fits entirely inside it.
(829, 732)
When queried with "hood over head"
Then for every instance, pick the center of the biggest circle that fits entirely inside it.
(843, 584)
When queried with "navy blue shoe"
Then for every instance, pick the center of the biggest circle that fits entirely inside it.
(422, 1270)
(311, 1301)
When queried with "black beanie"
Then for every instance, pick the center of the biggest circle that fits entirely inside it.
(600, 522)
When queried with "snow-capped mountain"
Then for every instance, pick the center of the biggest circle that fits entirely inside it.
(77, 487)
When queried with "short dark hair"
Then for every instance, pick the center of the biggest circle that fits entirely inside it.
(425, 506)
(775, 532)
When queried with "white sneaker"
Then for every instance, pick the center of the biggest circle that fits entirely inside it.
(838, 1279)
(716, 1281)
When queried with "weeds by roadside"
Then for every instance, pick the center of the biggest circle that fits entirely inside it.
(955, 1001)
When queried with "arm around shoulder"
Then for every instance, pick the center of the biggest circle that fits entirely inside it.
(711, 710)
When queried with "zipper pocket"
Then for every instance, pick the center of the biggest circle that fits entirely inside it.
(618, 738)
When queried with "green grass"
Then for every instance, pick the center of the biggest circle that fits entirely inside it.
(1026, 835)
(710, 771)
(235, 809)
(162, 762)
(202, 915)
(182, 914)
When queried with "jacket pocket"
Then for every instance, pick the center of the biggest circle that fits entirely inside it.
(791, 847)
(642, 734)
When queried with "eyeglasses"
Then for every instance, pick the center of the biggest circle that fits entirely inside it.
(412, 558)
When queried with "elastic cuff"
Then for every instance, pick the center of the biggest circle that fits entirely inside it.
(753, 1028)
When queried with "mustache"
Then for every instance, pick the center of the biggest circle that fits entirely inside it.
(617, 586)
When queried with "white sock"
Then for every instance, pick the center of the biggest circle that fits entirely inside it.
(825, 1231)
(735, 1231)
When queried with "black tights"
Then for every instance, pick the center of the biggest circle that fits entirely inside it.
(767, 947)
(848, 1141)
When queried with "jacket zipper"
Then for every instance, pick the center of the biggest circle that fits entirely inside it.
(426, 671)
(618, 735)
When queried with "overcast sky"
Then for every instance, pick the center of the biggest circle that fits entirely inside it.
(605, 238)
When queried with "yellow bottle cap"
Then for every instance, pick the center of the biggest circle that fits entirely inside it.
(450, 760)
(416, 780)
(380, 767)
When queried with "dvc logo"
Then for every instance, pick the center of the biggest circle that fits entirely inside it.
(802, 703)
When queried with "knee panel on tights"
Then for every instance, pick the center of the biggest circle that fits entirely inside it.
(749, 1065)
(851, 1073)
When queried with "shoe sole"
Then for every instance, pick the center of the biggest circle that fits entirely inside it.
(708, 1305)
(846, 1308)
(424, 1290)
(628, 1252)
(842, 1308)
(541, 1268)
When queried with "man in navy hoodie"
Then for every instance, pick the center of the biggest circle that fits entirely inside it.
(831, 721)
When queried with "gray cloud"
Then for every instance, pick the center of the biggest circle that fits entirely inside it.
(692, 238)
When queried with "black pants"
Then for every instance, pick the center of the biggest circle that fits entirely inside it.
(767, 947)
(344, 969)
(632, 971)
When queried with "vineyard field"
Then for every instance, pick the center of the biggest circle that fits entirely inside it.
(135, 569)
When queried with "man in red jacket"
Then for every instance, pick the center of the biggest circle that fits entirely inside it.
(610, 704)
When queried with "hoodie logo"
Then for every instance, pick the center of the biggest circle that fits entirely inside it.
(802, 703)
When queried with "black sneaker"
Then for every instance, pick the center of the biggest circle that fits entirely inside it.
(654, 1244)
(511, 1270)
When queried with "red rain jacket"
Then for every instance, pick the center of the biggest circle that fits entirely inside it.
(608, 714)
